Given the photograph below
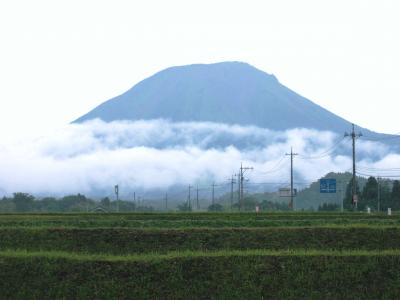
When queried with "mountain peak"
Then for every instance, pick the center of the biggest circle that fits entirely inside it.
(240, 67)
(226, 92)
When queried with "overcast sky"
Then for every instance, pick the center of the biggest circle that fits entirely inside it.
(59, 59)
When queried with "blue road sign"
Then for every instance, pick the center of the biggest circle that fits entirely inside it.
(327, 186)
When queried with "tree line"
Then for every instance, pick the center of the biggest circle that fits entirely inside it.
(377, 195)
(24, 202)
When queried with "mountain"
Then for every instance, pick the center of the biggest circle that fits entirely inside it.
(227, 92)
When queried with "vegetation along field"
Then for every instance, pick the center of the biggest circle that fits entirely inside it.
(291, 255)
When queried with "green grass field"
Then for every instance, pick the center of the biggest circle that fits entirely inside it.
(200, 256)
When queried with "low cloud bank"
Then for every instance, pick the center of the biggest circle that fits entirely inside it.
(93, 156)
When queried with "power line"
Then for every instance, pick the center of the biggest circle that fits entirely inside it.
(325, 153)
(376, 175)
(265, 183)
(275, 168)
(394, 136)
(379, 169)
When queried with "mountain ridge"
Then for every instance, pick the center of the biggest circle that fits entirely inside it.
(226, 92)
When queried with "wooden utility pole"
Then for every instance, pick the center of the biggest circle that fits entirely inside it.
(232, 181)
(116, 189)
(189, 201)
(291, 178)
(354, 136)
(212, 193)
(242, 171)
(197, 197)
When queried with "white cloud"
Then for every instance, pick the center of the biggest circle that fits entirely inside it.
(159, 154)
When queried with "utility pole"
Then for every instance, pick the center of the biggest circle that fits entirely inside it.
(242, 171)
(212, 194)
(189, 201)
(238, 181)
(197, 197)
(379, 194)
(342, 186)
(354, 136)
(241, 187)
(116, 189)
(232, 181)
(291, 177)
(166, 201)
(134, 200)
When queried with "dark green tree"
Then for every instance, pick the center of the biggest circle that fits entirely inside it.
(48, 204)
(266, 205)
(23, 202)
(76, 203)
(7, 205)
(249, 203)
(370, 194)
(395, 196)
(184, 206)
(105, 202)
(385, 195)
(215, 207)
(347, 203)
(328, 207)
(131, 206)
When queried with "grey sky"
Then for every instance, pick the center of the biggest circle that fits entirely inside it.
(59, 59)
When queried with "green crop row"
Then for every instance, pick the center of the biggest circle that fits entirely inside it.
(126, 241)
(222, 275)
(215, 220)
(203, 215)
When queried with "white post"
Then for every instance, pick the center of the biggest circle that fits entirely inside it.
(389, 211)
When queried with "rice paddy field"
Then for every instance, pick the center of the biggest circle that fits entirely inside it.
(200, 256)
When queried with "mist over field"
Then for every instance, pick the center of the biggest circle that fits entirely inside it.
(93, 156)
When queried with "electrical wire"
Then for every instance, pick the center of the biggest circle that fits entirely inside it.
(380, 172)
(392, 136)
(265, 183)
(325, 153)
(275, 168)
(374, 175)
(379, 169)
